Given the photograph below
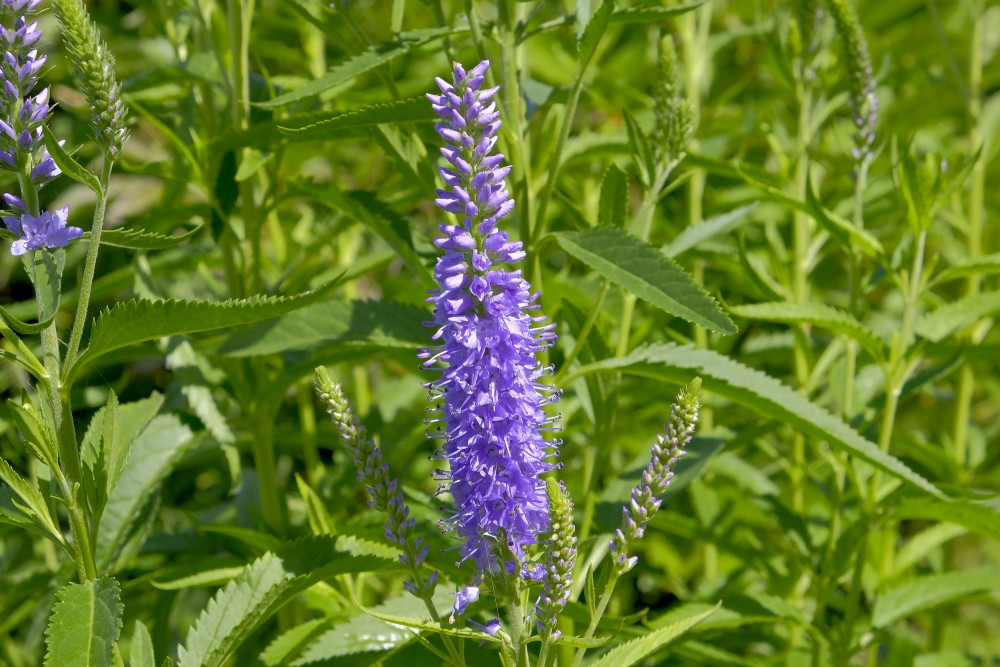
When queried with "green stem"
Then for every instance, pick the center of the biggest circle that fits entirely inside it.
(581, 337)
(90, 264)
(272, 507)
(514, 120)
(595, 618)
(966, 384)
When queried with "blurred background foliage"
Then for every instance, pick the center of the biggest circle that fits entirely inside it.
(294, 191)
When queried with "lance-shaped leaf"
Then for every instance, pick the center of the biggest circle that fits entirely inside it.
(760, 392)
(38, 435)
(694, 235)
(613, 209)
(929, 591)
(34, 503)
(646, 272)
(265, 586)
(315, 127)
(137, 321)
(140, 239)
(633, 651)
(954, 316)
(819, 314)
(85, 623)
(363, 62)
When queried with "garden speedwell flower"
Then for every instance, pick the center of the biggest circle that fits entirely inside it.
(22, 114)
(492, 396)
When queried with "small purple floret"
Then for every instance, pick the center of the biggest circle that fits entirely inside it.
(493, 399)
(48, 230)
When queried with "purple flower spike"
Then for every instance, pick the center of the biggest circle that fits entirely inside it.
(48, 230)
(22, 115)
(493, 399)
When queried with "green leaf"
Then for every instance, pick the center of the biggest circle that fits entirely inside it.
(192, 372)
(819, 314)
(21, 354)
(110, 435)
(136, 321)
(977, 517)
(957, 315)
(694, 235)
(363, 62)
(366, 634)
(45, 271)
(154, 453)
(760, 392)
(653, 14)
(930, 591)
(426, 624)
(378, 323)
(647, 273)
(848, 234)
(974, 266)
(68, 165)
(313, 127)
(613, 209)
(34, 503)
(633, 651)
(37, 433)
(142, 647)
(592, 34)
(253, 160)
(263, 587)
(140, 239)
(641, 148)
(85, 623)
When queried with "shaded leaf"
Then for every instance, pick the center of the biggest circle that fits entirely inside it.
(363, 62)
(140, 239)
(929, 591)
(954, 316)
(613, 210)
(315, 128)
(694, 235)
(379, 323)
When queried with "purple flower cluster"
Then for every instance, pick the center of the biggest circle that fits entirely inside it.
(492, 397)
(22, 115)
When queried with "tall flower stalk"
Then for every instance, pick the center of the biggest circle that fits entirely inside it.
(491, 396)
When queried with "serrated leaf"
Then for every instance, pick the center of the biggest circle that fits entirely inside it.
(378, 323)
(68, 165)
(429, 625)
(929, 591)
(653, 14)
(613, 208)
(34, 504)
(142, 647)
(646, 272)
(364, 634)
(955, 316)
(979, 518)
(140, 239)
(761, 392)
(975, 266)
(136, 321)
(818, 314)
(633, 651)
(262, 588)
(694, 235)
(85, 623)
(37, 433)
(592, 34)
(315, 128)
(363, 62)
(191, 372)
(152, 457)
